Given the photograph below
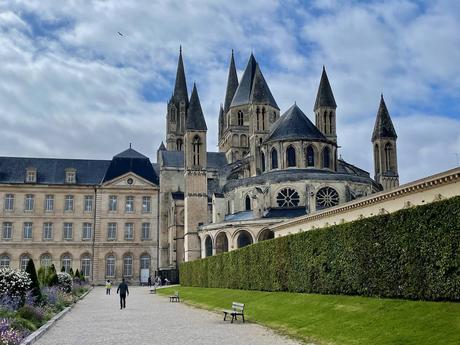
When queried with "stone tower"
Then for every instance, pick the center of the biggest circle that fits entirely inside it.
(325, 108)
(177, 110)
(196, 196)
(384, 145)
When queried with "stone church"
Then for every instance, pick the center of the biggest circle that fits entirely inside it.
(129, 217)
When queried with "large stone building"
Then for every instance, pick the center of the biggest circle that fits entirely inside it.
(121, 217)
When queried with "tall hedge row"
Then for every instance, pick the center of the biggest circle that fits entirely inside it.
(413, 253)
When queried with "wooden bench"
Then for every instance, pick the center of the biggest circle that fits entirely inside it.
(175, 297)
(237, 309)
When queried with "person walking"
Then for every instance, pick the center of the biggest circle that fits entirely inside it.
(108, 287)
(123, 289)
(149, 281)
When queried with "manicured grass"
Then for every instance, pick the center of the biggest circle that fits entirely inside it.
(331, 319)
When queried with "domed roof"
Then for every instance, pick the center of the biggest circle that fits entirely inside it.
(294, 125)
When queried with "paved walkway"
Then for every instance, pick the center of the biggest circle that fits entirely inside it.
(150, 319)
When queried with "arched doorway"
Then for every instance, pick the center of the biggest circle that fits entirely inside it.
(221, 243)
(244, 239)
(208, 246)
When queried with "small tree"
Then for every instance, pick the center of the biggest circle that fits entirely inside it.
(77, 274)
(62, 269)
(71, 272)
(35, 286)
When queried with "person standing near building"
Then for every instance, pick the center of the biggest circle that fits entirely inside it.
(108, 287)
(123, 290)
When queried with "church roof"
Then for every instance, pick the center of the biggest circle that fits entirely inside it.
(294, 125)
(324, 97)
(253, 88)
(383, 127)
(232, 84)
(131, 161)
(195, 118)
(162, 147)
(180, 88)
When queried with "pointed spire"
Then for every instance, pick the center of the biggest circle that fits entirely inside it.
(383, 127)
(162, 147)
(232, 84)
(180, 89)
(195, 118)
(324, 97)
(253, 86)
(221, 121)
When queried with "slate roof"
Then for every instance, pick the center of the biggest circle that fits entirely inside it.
(177, 195)
(195, 118)
(175, 159)
(180, 88)
(52, 170)
(294, 125)
(243, 215)
(383, 127)
(162, 147)
(131, 161)
(324, 97)
(253, 88)
(285, 212)
(232, 84)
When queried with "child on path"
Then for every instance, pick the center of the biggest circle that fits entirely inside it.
(108, 287)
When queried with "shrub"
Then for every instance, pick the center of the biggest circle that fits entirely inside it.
(9, 335)
(14, 282)
(64, 281)
(32, 313)
(35, 285)
(413, 253)
(9, 303)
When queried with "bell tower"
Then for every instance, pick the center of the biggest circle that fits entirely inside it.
(384, 147)
(177, 110)
(196, 189)
(325, 108)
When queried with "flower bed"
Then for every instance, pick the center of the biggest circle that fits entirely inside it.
(22, 312)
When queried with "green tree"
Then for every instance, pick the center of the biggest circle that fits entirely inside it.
(35, 286)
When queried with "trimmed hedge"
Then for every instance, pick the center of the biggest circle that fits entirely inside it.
(413, 253)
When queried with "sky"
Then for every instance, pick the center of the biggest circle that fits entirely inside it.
(72, 87)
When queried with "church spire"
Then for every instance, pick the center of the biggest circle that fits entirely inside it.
(221, 122)
(180, 89)
(324, 97)
(195, 118)
(383, 127)
(232, 84)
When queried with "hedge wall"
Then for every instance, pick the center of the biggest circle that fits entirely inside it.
(413, 253)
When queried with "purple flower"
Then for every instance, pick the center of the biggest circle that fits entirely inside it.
(10, 303)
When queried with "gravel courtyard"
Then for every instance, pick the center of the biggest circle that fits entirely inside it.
(150, 319)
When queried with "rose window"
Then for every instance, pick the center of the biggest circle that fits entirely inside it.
(288, 197)
(326, 197)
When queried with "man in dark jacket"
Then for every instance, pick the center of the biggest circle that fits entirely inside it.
(123, 289)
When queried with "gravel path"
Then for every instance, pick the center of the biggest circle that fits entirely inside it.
(150, 319)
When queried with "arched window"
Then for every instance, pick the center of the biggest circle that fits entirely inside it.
(331, 117)
(262, 161)
(257, 117)
(388, 156)
(86, 265)
(235, 141)
(23, 261)
(244, 239)
(288, 197)
(208, 246)
(5, 260)
(326, 197)
(221, 243)
(266, 234)
(243, 140)
(110, 266)
(310, 157)
(145, 261)
(247, 203)
(127, 266)
(45, 260)
(173, 114)
(66, 262)
(326, 158)
(240, 118)
(274, 159)
(263, 119)
(196, 150)
(290, 156)
(180, 144)
(325, 122)
(376, 159)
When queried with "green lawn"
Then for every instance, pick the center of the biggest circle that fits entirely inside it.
(331, 319)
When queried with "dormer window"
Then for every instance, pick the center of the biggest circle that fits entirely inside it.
(31, 175)
(70, 175)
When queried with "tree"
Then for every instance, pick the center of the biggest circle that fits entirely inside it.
(71, 272)
(35, 286)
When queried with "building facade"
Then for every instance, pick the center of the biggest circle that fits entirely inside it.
(128, 217)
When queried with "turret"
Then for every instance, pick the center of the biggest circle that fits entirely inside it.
(384, 145)
(325, 108)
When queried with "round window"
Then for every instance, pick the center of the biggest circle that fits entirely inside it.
(326, 197)
(288, 197)
(130, 181)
